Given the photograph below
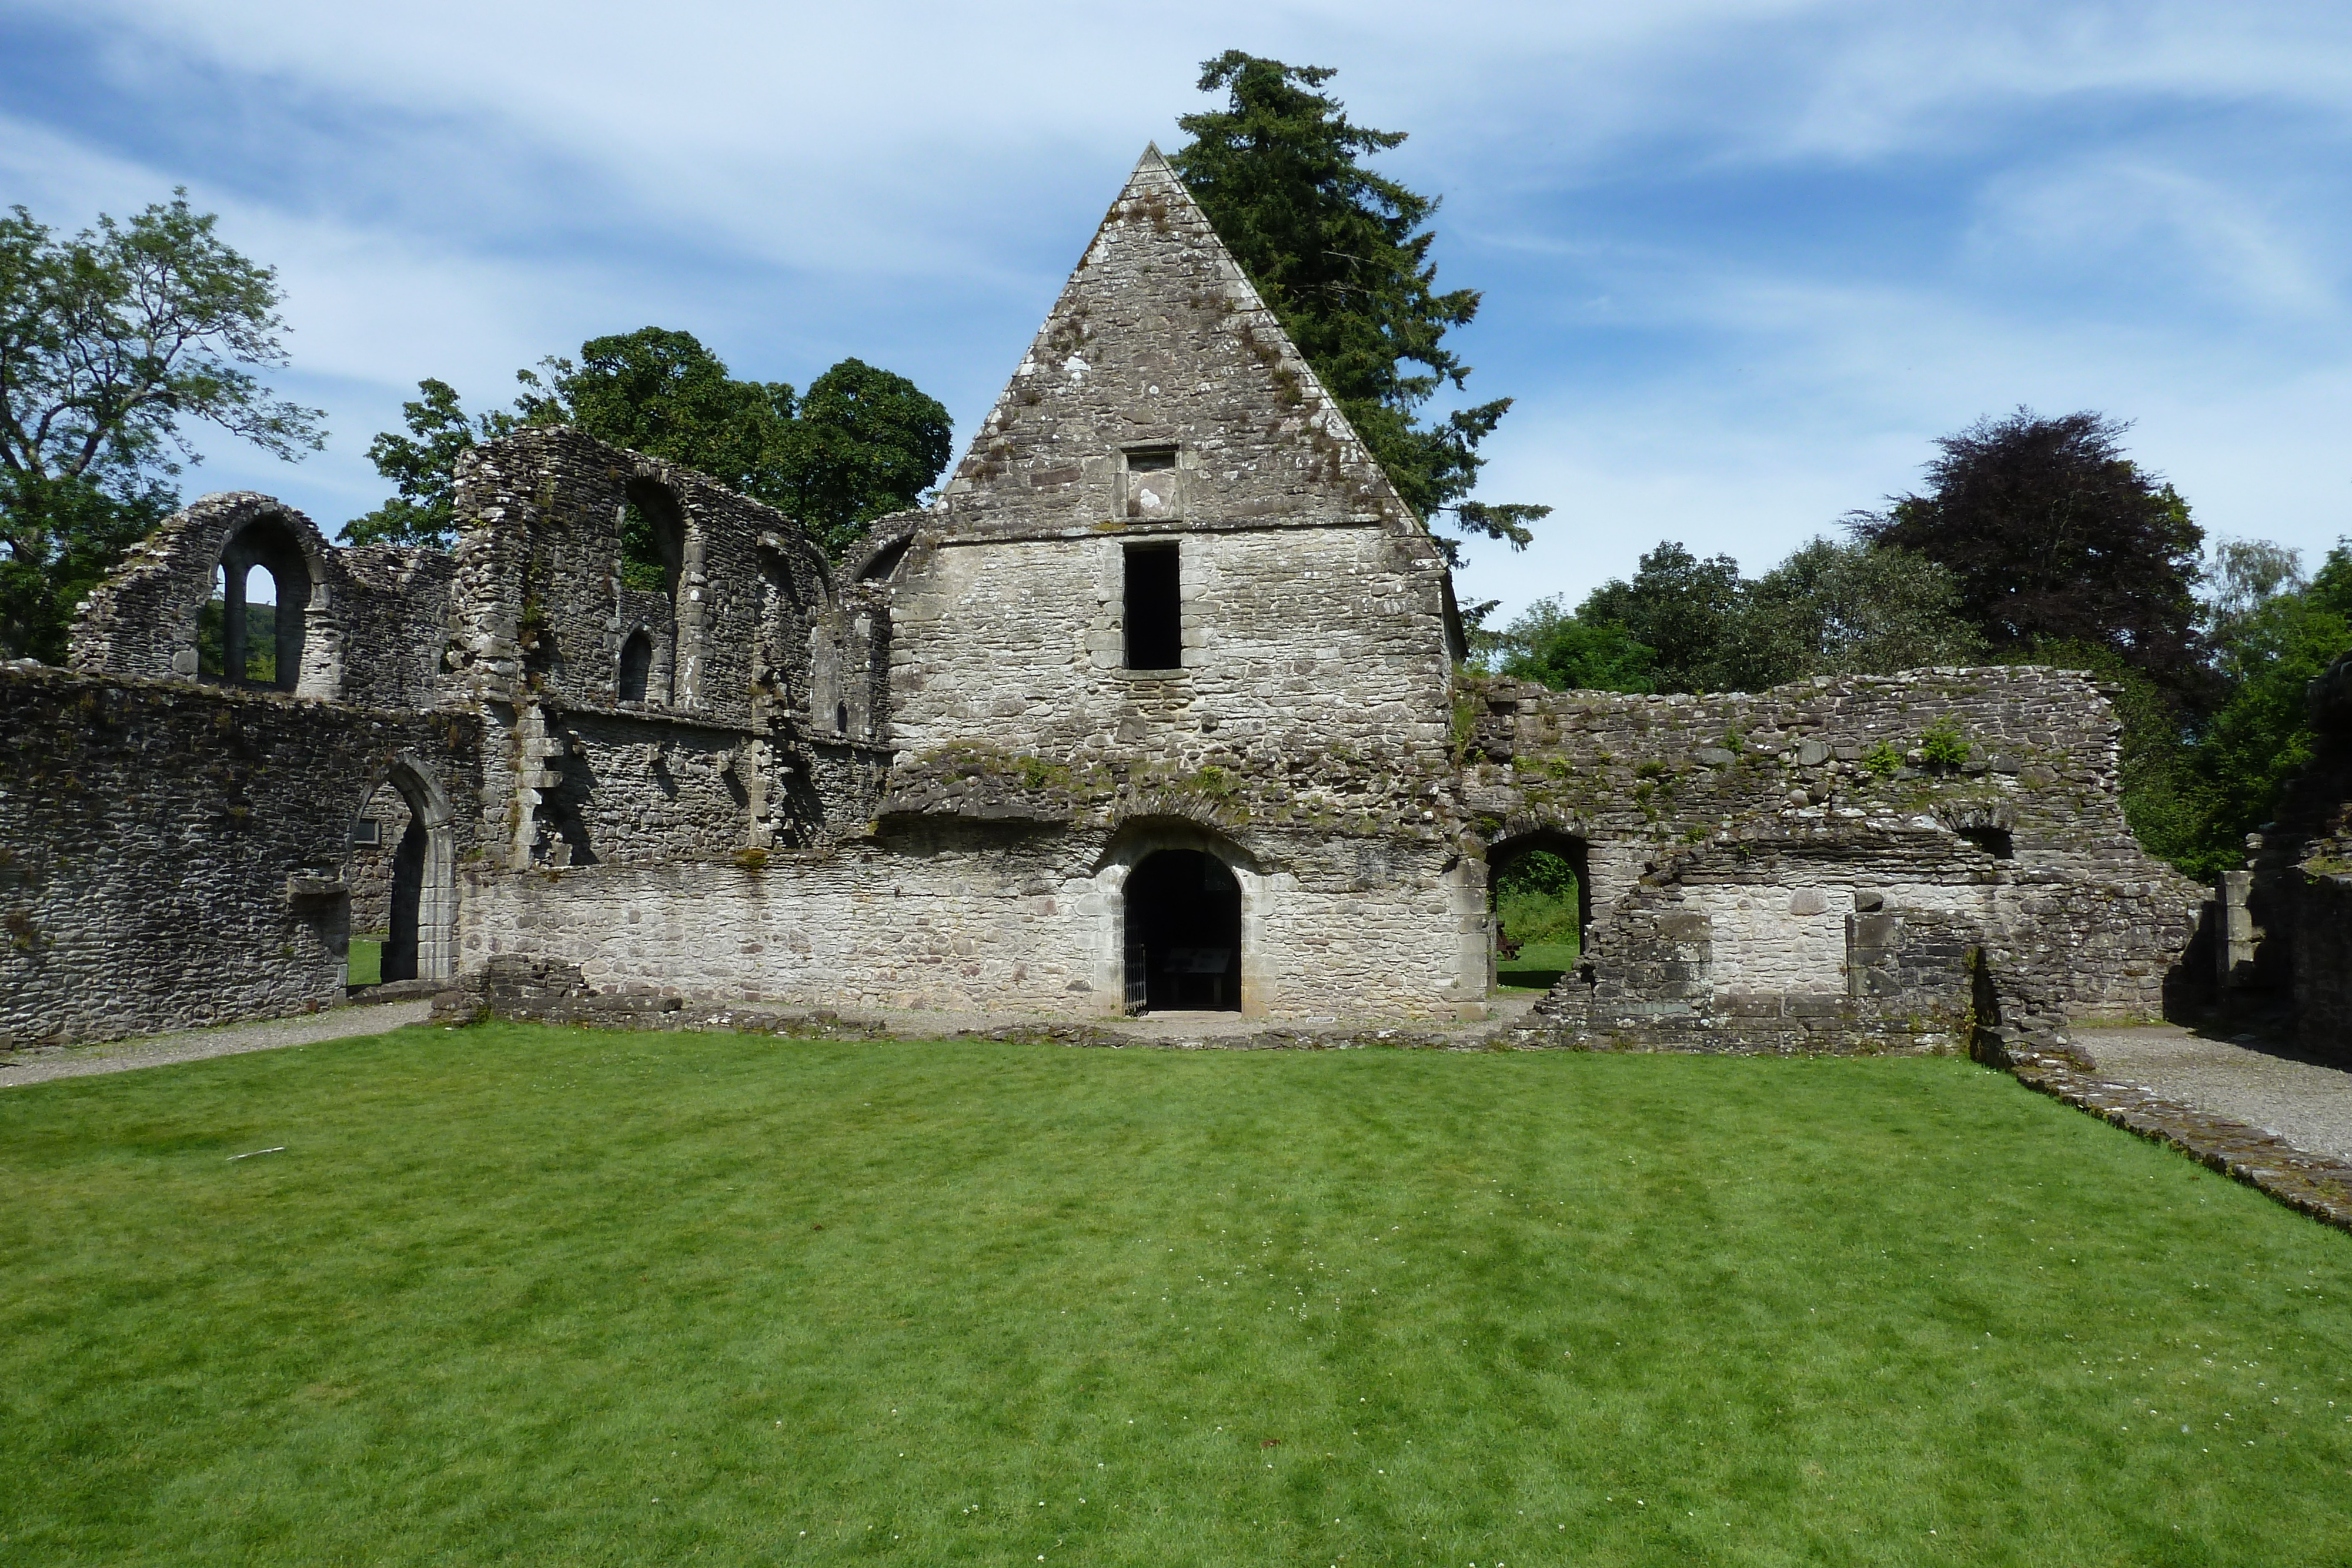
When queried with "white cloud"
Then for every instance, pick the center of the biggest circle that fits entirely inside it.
(2116, 205)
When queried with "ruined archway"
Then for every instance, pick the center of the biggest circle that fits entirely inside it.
(241, 643)
(1183, 934)
(1184, 905)
(417, 896)
(1539, 894)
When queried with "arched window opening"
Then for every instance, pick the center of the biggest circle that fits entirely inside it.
(1540, 893)
(841, 717)
(1183, 937)
(636, 666)
(653, 539)
(250, 632)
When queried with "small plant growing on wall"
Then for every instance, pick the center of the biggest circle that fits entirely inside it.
(1944, 748)
(23, 934)
(1884, 760)
(753, 860)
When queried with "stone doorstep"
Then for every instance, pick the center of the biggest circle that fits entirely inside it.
(2317, 1184)
(393, 991)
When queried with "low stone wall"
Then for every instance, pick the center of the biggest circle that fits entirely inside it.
(1986, 794)
(986, 917)
(170, 855)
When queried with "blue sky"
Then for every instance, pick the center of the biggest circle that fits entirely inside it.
(1743, 261)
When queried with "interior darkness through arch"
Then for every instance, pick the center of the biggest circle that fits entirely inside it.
(1184, 934)
(399, 958)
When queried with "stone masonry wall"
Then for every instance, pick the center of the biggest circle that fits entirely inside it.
(540, 608)
(1740, 802)
(374, 617)
(985, 917)
(170, 855)
(1328, 637)
(368, 868)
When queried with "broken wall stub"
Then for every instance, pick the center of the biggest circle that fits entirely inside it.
(171, 855)
(2287, 919)
(544, 607)
(368, 867)
(686, 720)
(363, 625)
(1775, 818)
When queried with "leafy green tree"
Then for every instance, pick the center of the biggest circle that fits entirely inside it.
(2245, 576)
(1341, 255)
(1849, 609)
(110, 343)
(863, 442)
(2054, 535)
(1682, 607)
(423, 464)
(1550, 644)
(2260, 736)
(662, 393)
(1687, 624)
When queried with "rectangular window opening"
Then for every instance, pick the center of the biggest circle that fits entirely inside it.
(1152, 483)
(1155, 622)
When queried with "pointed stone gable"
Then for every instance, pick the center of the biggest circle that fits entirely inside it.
(1159, 349)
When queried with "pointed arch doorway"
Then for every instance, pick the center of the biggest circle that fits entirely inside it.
(420, 939)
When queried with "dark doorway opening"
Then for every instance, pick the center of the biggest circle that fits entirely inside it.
(1539, 888)
(1183, 934)
(407, 896)
(1155, 615)
(636, 666)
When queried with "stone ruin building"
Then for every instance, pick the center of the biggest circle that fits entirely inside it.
(1161, 705)
(2283, 931)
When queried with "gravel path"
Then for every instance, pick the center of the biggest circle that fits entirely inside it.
(2308, 1106)
(196, 1044)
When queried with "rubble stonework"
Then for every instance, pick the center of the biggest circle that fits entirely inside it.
(2288, 917)
(1160, 705)
(171, 855)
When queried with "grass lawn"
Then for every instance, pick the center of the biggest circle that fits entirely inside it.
(1537, 967)
(528, 1294)
(365, 965)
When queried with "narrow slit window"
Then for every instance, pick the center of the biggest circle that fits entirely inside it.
(636, 667)
(1155, 622)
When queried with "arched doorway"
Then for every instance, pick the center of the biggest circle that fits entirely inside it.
(1183, 934)
(1539, 892)
(403, 872)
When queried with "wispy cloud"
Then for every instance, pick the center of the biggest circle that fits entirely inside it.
(1742, 258)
